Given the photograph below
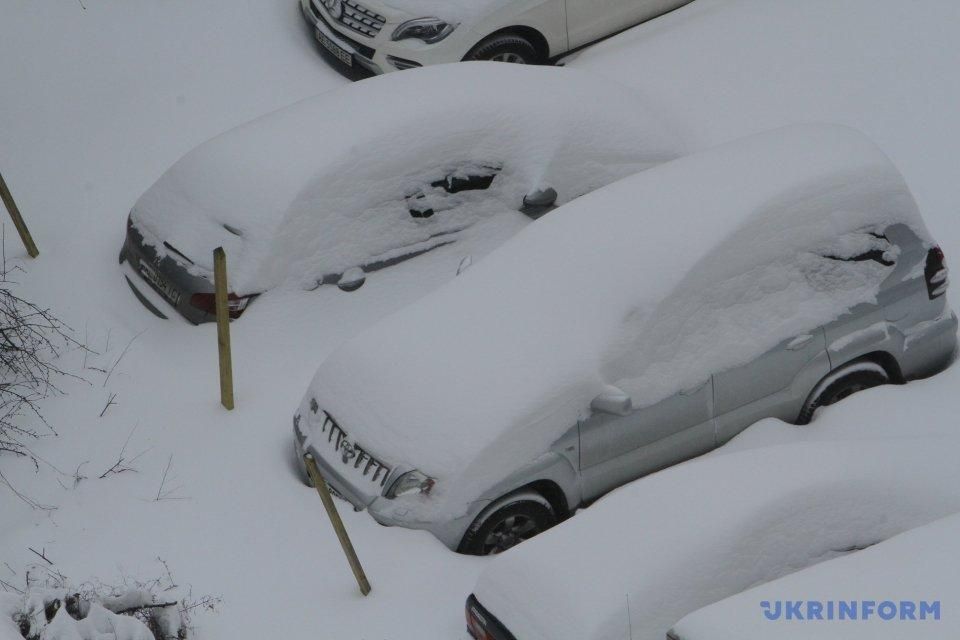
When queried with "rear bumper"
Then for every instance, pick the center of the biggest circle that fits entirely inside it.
(140, 255)
(482, 625)
(930, 346)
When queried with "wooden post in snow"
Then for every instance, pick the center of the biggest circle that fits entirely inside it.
(223, 327)
(18, 222)
(337, 523)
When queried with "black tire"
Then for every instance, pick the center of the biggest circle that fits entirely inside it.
(506, 47)
(516, 520)
(842, 383)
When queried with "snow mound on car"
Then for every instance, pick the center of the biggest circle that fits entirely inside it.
(507, 357)
(921, 564)
(321, 186)
(651, 552)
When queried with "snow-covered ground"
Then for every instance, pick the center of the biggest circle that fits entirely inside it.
(99, 97)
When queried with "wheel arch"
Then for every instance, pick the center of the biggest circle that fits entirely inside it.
(533, 35)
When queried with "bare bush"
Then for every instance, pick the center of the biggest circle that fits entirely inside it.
(31, 342)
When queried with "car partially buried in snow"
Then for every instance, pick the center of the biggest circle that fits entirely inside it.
(654, 551)
(642, 325)
(903, 587)
(359, 179)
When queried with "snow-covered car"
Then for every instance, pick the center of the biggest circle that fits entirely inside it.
(641, 325)
(387, 35)
(665, 546)
(337, 186)
(905, 587)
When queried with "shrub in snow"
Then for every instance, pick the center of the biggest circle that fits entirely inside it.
(52, 609)
(31, 338)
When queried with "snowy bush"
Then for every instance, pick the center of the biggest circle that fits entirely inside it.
(52, 609)
(31, 339)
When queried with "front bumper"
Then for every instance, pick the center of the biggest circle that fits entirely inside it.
(380, 54)
(361, 490)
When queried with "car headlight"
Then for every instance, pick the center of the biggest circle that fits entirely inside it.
(429, 30)
(409, 483)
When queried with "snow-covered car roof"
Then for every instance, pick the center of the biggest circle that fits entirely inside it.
(321, 186)
(516, 348)
(655, 550)
(922, 564)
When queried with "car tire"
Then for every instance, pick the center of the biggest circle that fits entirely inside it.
(508, 523)
(842, 383)
(506, 47)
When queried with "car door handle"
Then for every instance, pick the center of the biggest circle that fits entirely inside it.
(799, 342)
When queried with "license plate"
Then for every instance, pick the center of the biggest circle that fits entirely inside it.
(341, 54)
(161, 285)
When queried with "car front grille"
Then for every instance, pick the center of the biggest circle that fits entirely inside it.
(359, 18)
(340, 450)
(359, 47)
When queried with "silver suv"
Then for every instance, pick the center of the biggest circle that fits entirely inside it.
(420, 437)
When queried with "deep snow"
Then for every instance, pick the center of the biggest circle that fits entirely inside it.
(921, 564)
(99, 98)
(702, 531)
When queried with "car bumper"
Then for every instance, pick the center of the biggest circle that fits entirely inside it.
(381, 54)
(482, 625)
(141, 257)
(343, 482)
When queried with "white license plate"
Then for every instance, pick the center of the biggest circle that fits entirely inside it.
(161, 285)
(342, 54)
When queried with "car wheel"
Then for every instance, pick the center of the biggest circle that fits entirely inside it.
(517, 518)
(842, 383)
(506, 47)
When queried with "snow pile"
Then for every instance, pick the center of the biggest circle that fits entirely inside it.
(323, 186)
(921, 564)
(658, 549)
(686, 269)
(56, 614)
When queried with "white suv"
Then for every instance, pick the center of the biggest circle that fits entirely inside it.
(387, 35)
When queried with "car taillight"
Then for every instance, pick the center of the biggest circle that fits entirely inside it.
(207, 302)
(475, 624)
(935, 273)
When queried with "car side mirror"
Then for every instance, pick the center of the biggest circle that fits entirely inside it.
(613, 401)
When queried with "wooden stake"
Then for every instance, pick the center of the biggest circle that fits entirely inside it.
(18, 222)
(223, 327)
(337, 523)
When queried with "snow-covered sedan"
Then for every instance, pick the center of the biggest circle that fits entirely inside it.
(387, 35)
(338, 186)
(641, 325)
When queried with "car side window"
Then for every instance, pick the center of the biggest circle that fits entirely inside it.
(432, 197)
(868, 246)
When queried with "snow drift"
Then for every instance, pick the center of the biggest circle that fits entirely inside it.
(657, 549)
(620, 286)
(921, 564)
(322, 186)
